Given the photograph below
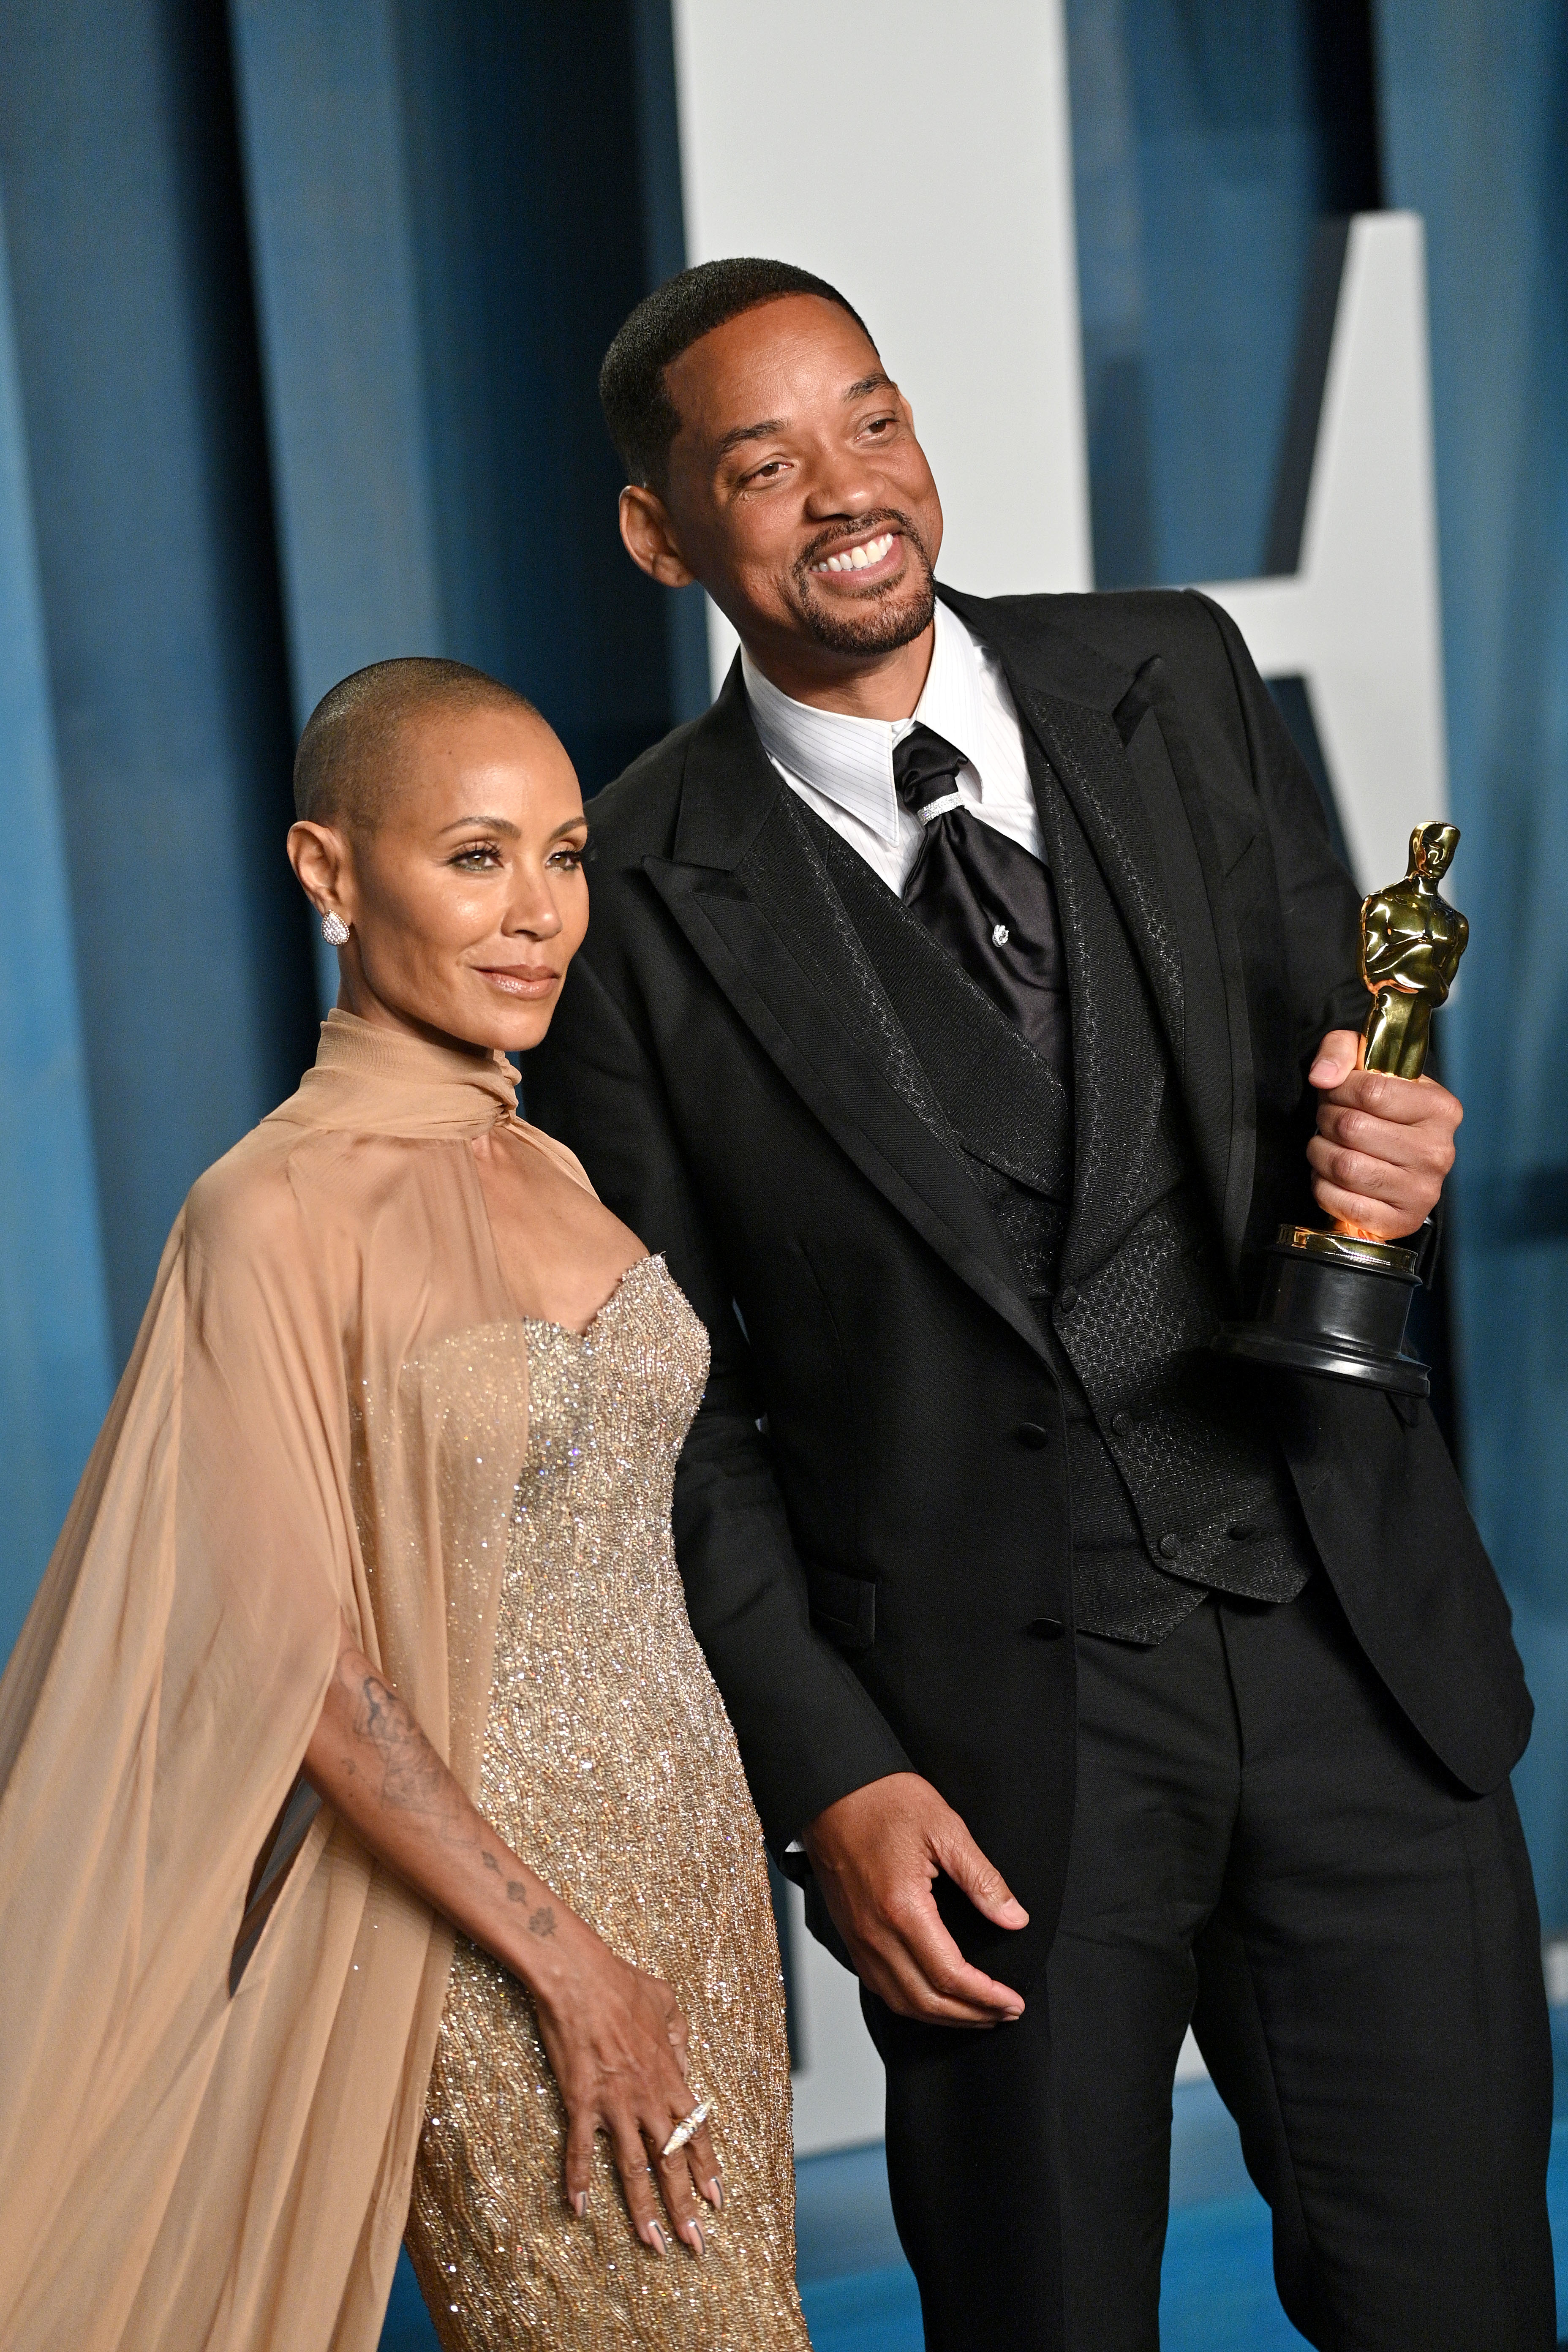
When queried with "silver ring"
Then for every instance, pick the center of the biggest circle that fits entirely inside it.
(686, 2129)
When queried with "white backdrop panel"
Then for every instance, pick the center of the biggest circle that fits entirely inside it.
(1360, 620)
(916, 155)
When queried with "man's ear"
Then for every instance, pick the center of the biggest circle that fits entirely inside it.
(649, 538)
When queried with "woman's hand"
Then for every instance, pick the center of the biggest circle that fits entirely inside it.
(615, 2038)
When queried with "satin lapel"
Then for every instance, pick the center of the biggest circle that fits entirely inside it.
(734, 887)
(1217, 1072)
(1089, 761)
(1161, 863)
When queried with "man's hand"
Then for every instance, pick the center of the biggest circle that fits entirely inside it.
(877, 1854)
(1384, 1144)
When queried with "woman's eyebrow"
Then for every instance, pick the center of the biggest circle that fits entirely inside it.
(496, 824)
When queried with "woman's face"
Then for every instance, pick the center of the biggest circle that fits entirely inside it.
(468, 899)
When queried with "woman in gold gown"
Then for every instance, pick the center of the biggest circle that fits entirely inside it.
(374, 1850)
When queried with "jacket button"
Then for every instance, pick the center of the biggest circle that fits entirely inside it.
(1030, 1433)
(1049, 1629)
(1241, 1534)
(1120, 1422)
(1067, 1300)
(1169, 1547)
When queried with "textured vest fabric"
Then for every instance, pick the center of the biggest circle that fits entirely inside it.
(1175, 1483)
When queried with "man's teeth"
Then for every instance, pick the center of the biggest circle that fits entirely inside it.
(855, 559)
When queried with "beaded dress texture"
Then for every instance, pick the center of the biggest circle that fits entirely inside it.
(611, 1768)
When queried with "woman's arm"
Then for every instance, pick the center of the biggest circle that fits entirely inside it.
(614, 2037)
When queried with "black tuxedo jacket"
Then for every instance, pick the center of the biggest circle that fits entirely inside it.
(871, 1513)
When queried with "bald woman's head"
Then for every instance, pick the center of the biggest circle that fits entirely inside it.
(350, 753)
(440, 838)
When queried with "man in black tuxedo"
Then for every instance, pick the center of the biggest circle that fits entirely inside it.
(953, 1009)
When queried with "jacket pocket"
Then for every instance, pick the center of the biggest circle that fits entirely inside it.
(842, 1607)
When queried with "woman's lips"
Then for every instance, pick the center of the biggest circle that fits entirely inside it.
(520, 979)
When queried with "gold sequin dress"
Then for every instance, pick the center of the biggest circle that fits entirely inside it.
(611, 1768)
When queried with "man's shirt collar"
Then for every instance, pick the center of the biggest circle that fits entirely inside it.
(850, 761)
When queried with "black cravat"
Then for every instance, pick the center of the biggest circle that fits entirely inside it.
(989, 902)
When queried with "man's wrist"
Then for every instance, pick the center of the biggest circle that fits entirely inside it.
(810, 1836)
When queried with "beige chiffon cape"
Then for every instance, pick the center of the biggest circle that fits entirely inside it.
(180, 2168)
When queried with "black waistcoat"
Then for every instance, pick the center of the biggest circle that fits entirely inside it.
(1176, 1483)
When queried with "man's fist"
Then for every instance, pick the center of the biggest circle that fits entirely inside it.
(1384, 1144)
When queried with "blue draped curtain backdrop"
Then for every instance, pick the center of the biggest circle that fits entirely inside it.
(300, 308)
(1474, 126)
(301, 314)
(1210, 136)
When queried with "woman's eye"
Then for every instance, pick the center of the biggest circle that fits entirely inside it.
(479, 857)
(568, 859)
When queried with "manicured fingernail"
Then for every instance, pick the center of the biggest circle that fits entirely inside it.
(655, 2238)
(580, 2203)
(695, 2238)
(714, 2192)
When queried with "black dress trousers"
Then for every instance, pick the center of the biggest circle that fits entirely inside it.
(1260, 1845)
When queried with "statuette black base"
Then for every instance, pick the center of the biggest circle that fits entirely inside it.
(1333, 1305)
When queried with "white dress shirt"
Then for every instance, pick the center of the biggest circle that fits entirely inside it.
(843, 767)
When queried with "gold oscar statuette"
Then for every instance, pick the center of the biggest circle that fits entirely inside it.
(1336, 1302)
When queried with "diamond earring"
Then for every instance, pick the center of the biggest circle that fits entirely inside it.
(335, 930)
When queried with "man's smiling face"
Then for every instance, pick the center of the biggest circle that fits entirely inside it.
(797, 493)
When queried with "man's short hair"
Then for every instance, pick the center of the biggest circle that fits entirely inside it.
(641, 416)
(347, 754)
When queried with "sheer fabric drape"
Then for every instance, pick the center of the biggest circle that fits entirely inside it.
(323, 1422)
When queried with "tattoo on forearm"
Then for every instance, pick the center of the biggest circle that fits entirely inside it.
(415, 1781)
(540, 1922)
(413, 1778)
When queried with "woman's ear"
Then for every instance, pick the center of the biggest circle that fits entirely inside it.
(322, 867)
(649, 537)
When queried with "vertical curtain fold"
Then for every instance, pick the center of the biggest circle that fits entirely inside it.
(1474, 98)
